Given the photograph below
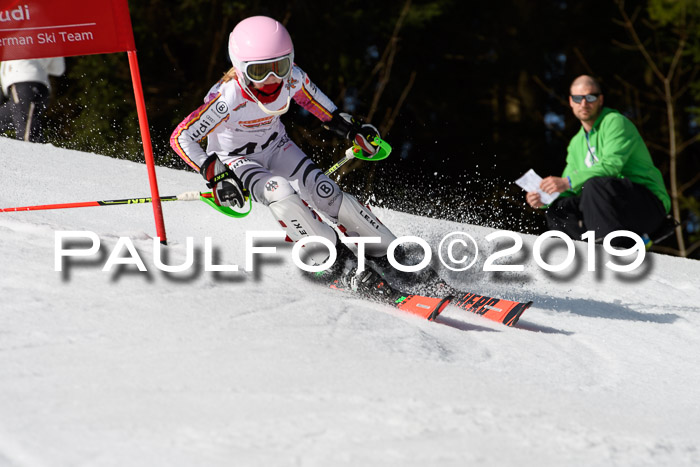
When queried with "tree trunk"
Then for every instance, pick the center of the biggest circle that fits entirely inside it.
(672, 153)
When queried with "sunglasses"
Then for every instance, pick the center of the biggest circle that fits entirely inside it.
(578, 98)
(258, 71)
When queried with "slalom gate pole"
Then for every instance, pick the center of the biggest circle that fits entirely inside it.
(147, 146)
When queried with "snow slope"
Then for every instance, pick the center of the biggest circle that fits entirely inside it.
(259, 369)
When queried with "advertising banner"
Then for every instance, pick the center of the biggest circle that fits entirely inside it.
(51, 28)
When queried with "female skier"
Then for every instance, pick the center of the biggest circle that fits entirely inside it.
(249, 153)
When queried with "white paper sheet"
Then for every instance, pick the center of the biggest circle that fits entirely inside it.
(531, 182)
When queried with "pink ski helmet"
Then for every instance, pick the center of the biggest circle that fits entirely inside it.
(260, 46)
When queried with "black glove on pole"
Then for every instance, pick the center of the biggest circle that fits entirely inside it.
(227, 189)
(362, 134)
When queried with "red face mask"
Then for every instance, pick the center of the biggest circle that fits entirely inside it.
(269, 89)
(267, 93)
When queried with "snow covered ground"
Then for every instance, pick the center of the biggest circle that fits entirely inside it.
(130, 368)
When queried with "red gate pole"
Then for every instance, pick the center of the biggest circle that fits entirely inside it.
(147, 146)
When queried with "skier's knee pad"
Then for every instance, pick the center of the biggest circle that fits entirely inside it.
(276, 189)
(356, 220)
(326, 197)
(299, 221)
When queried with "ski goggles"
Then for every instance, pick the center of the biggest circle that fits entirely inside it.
(578, 98)
(259, 70)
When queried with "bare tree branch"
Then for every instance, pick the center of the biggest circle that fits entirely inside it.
(689, 183)
(668, 98)
(658, 147)
(390, 121)
(383, 69)
(692, 248)
(381, 64)
(629, 25)
(550, 91)
(676, 58)
(623, 46)
(580, 56)
(682, 146)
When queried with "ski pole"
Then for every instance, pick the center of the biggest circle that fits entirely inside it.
(187, 196)
(349, 154)
(356, 152)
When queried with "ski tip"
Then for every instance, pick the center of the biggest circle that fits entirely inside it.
(439, 307)
(512, 320)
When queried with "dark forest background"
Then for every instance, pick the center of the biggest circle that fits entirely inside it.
(470, 94)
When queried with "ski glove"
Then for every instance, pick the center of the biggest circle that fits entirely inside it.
(362, 134)
(227, 189)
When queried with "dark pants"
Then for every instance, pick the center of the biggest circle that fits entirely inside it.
(607, 204)
(24, 110)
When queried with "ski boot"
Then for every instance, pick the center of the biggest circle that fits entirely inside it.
(343, 275)
(367, 283)
(345, 261)
(424, 282)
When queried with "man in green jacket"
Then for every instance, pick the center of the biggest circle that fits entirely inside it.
(610, 182)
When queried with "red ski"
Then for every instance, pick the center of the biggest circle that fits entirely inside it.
(419, 305)
(502, 311)
(373, 286)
